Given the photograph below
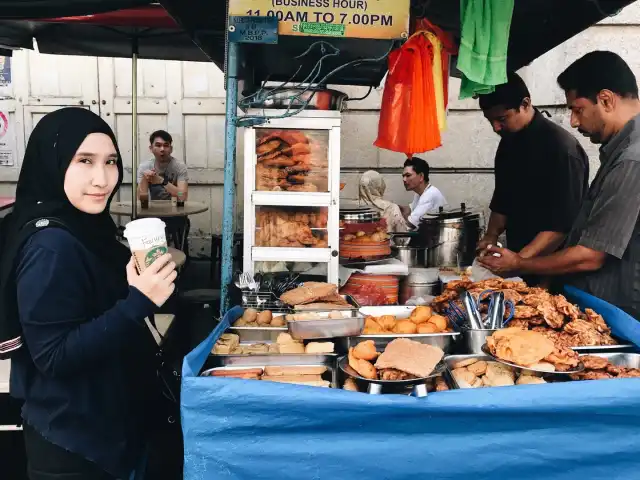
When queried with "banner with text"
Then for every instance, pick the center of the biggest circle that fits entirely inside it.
(376, 19)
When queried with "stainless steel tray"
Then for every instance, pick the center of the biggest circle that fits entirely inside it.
(375, 387)
(326, 328)
(261, 361)
(451, 361)
(606, 348)
(445, 341)
(253, 355)
(398, 311)
(257, 334)
(578, 369)
(621, 359)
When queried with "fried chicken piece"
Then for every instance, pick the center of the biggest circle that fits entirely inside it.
(568, 340)
(520, 287)
(279, 161)
(394, 375)
(553, 318)
(589, 338)
(525, 312)
(293, 137)
(591, 362)
(579, 326)
(458, 284)
(630, 373)
(614, 369)
(272, 154)
(564, 307)
(522, 323)
(563, 359)
(535, 299)
(607, 339)
(510, 294)
(307, 187)
(537, 321)
(597, 320)
(446, 296)
(490, 284)
(596, 375)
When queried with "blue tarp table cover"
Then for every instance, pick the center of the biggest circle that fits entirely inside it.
(243, 429)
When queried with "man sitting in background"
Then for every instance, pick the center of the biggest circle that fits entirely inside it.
(166, 177)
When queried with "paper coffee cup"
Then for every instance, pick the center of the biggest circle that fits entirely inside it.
(147, 240)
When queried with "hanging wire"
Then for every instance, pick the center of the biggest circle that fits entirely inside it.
(310, 81)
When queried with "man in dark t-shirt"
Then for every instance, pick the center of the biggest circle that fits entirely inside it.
(541, 174)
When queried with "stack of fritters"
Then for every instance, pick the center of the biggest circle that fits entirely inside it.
(288, 160)
(536, 309)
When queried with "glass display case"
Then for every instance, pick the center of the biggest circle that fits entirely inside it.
(291, 193)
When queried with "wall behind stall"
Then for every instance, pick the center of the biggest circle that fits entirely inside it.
(187, 99)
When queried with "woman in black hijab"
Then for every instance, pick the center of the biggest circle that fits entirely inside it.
(73, 306)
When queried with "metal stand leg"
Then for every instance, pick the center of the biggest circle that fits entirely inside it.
(375, 389)
(420, 390)
(229, 174)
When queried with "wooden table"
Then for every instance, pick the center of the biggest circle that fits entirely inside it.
(159, 208)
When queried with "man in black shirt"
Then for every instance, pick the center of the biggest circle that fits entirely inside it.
(541, 174)
(602, 252)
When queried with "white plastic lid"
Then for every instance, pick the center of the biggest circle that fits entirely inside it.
(143, 226)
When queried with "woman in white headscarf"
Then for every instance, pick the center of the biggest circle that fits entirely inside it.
(372, 188)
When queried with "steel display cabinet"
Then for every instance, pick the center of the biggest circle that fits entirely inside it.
(291, 193)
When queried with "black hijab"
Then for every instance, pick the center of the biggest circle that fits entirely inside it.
(40, 194)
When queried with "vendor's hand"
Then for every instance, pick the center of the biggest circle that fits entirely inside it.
(507, 262)
(156, 180)
(156, 282)
(486, 241)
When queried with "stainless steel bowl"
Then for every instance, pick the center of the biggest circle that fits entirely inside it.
(473, 340)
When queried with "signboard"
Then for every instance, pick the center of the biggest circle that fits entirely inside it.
(7, 142)
(376, 19)
(247, 29)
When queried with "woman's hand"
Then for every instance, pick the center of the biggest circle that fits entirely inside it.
(156, 282)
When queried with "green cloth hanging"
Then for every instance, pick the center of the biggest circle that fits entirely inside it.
(482, 56)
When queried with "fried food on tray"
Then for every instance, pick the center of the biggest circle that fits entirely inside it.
(364, 368)
(476, 373)
(415, 358)
(309, 292)
(307, 187)
(563, 359)
(421, 314)
(267, 147)
(405, 327)
(535, 309)
(420, 321)
(521, 347)
(366, 350)
(592, 362)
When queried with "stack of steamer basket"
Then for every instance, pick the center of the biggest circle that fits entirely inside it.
(364, 238)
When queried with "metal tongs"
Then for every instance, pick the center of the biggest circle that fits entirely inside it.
(471, 317)
(472, 313)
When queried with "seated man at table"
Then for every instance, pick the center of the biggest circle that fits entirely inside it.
(165, 177)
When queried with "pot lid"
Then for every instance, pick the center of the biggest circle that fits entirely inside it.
(461, 213)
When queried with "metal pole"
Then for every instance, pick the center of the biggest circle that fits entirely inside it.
(134, 128)
(228, 201)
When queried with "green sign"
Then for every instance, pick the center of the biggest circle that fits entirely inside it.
(312, 28)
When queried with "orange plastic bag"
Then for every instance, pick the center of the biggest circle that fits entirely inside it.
(408, 119)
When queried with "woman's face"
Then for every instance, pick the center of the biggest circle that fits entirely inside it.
(92, 174)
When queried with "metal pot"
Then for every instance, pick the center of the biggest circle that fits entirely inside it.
(420, 282)
(357, 214)
(410, 256)
(451, 236)
(319, 99)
